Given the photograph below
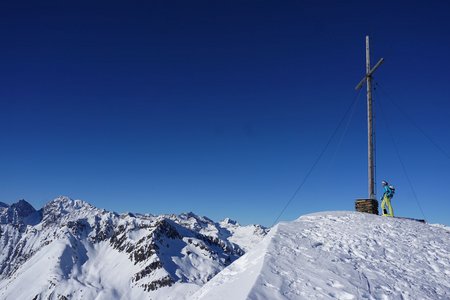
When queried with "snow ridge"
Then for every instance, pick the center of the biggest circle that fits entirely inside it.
(340, 255)
(77, 251)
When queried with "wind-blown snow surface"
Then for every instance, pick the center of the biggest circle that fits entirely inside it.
(340, 255)
(72, 250)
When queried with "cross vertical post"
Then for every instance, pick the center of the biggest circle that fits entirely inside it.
(370, 154)
(370, 204)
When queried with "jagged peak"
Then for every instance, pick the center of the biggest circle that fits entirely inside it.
(68, 202)
(198, 218)
(23, 206)
(188, 215)
(22, 203)
(20, 212)
(229, 221)
(63, 205)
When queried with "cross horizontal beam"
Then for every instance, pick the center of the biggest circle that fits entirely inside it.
(360, 84)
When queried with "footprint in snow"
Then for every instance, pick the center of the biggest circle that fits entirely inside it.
(342, 295)
(335, 284)
(317, 244)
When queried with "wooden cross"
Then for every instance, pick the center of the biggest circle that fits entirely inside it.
(370, 131)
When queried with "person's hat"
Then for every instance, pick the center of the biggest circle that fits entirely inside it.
(384, 182)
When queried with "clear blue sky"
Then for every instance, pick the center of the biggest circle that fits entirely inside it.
(221, 107)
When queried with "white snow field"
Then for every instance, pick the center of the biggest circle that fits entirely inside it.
(340, 255)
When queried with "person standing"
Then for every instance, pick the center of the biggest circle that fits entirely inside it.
(389, 192)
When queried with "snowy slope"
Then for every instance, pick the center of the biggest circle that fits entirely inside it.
(72, 249)
(245, 236)
(340, 255)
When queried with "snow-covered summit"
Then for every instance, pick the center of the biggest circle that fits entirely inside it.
(66, 205)
(229, 221)
(340, 255)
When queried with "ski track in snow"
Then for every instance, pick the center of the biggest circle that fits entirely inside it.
(341, 255)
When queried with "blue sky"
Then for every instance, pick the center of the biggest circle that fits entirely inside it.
(222, 107)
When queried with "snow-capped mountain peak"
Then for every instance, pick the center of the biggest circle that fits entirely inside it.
(66, 205)
(229, 221)
(64, 209)
(20, 212)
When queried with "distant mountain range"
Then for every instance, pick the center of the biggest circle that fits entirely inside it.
(70, 249)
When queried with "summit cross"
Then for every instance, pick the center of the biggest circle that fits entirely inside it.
(370, 131)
